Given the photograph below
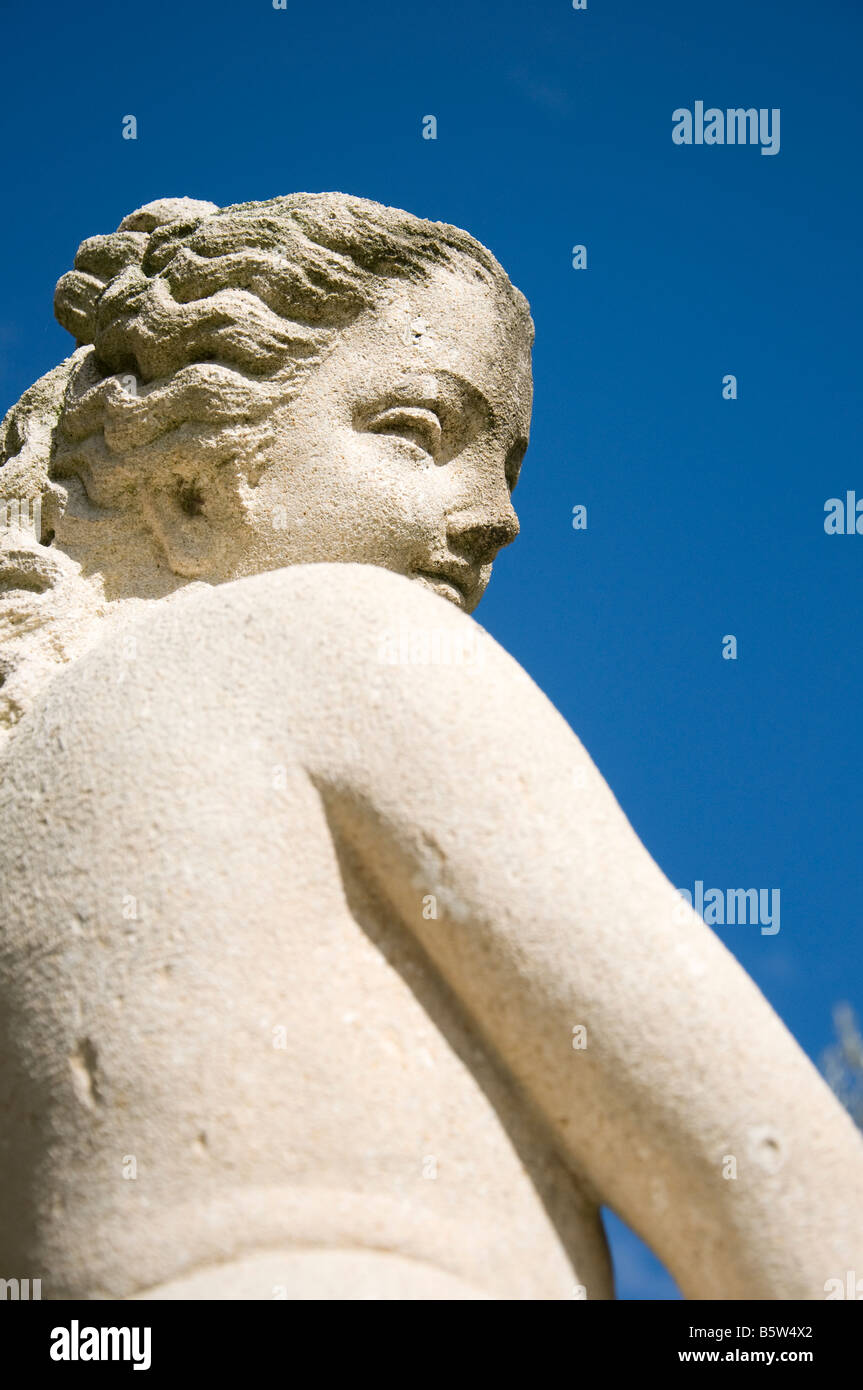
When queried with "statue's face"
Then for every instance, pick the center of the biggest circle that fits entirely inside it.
(402, 448)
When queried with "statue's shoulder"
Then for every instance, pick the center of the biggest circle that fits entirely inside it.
(296, 649)
(290, 611)
(273, 628)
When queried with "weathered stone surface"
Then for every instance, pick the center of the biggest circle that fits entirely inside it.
(311, 898)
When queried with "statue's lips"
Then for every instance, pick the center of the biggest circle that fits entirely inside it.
(448, 585)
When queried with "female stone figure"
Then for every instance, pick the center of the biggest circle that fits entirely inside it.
(330, 966)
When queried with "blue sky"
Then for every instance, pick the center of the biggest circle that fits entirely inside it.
(705, 516)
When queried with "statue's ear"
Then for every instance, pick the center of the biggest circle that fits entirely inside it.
(177, 514)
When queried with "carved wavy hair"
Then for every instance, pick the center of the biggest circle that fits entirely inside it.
(192, 322)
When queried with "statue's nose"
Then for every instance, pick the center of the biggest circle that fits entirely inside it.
(480, 533)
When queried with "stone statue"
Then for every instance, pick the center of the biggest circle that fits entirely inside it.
(330, 966)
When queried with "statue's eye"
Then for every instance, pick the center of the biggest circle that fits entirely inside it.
(415, 423)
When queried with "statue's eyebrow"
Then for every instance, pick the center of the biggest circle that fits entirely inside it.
(471, 396)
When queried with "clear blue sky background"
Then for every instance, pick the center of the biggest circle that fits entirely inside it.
(705, 515)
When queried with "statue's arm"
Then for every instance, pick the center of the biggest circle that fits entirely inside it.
(690, 1108)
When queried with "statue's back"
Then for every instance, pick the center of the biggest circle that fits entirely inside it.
(215, 1021)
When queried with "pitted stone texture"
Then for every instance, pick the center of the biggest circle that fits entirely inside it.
(330, 966)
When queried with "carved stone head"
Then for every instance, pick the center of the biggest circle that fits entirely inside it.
(312, 378)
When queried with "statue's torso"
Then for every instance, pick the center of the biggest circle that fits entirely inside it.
(229, 1064)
